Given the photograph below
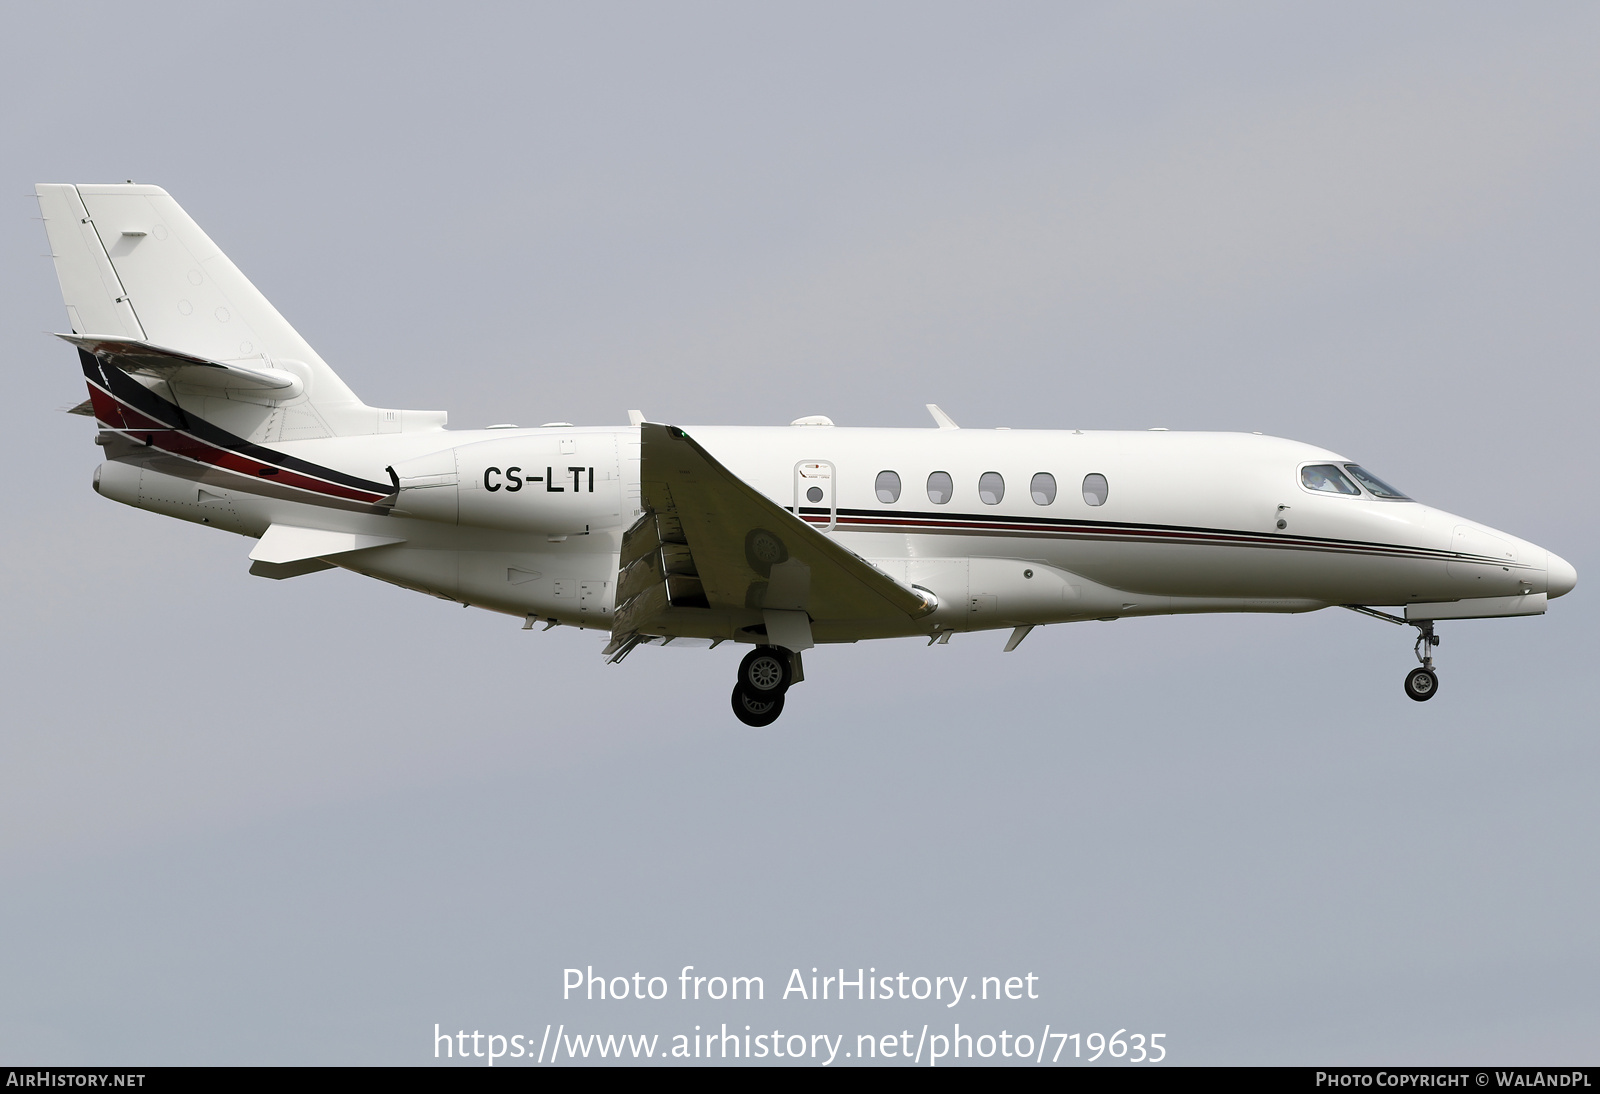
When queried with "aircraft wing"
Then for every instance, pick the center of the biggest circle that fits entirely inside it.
(141, 358)
(711, 553)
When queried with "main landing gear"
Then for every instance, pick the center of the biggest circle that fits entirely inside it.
(764, 675)
(1422, 683)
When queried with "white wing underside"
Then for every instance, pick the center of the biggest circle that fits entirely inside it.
(713, 557)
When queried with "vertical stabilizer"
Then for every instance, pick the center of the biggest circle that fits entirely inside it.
(133, 264)
(96, 301)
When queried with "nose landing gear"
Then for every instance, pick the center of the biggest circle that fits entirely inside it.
(1421, 684)
(764, 675)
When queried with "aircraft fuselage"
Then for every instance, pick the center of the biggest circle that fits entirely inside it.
(1006, 534)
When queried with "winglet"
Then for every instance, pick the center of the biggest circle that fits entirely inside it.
(636, 417)
(940, 418)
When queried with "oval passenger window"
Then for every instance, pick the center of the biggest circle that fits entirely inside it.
(1095, 490)
(888, 487)
(940, 487)
(1043, 488)
(991, 488)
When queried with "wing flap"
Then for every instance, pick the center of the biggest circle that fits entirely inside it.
(710, 541)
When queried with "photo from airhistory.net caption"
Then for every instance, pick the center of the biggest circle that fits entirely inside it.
(841, 1016)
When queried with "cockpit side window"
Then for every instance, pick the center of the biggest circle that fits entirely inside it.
(1327, 479)
(1378, 487)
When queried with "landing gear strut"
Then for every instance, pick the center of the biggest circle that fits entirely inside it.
(1421, 684)
(764, 675)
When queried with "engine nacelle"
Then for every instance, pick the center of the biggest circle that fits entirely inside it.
(547, 483)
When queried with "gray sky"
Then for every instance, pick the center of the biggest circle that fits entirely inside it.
(301, 822)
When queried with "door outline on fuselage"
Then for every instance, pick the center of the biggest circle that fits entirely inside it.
(819, 474)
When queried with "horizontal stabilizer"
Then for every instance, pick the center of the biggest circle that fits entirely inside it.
(285, 543)
(143, 359)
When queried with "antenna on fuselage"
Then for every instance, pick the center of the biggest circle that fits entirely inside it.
(940, 418)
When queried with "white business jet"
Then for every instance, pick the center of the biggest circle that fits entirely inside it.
(214, 410)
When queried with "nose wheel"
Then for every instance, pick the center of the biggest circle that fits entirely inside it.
(1421, 684)
(764, 676)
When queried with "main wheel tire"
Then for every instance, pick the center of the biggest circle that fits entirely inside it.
(756, 712)
(1421, 684)
(765, 671)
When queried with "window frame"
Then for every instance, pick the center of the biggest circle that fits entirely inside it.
(899, 486)
(1299, 471)
(1083, 488)
(1002, 495)
(1055, 488)
(1353, 477)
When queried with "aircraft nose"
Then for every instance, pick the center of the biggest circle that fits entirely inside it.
(1560, 576)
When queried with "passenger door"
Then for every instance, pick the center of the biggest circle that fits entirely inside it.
(814, 494)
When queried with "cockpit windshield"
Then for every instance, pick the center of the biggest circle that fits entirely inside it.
(1378, 487)
(1328, 479)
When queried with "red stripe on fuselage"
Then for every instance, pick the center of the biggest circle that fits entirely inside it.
(934, 527)
(147, 431)
(107, 409)
(192, 448)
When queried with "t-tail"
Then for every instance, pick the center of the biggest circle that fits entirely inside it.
(173, 337)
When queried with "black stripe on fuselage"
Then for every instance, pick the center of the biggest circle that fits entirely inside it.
(930, 523)
(127, 390)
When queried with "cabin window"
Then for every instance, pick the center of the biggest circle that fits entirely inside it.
(940, 488)
(1095, 490)
(1327, 479)
(888, 487)
(1043, 488)
(1373, 483)
(991, 488)
(814, 495)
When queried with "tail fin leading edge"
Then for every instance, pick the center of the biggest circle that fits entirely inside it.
(133, 265)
